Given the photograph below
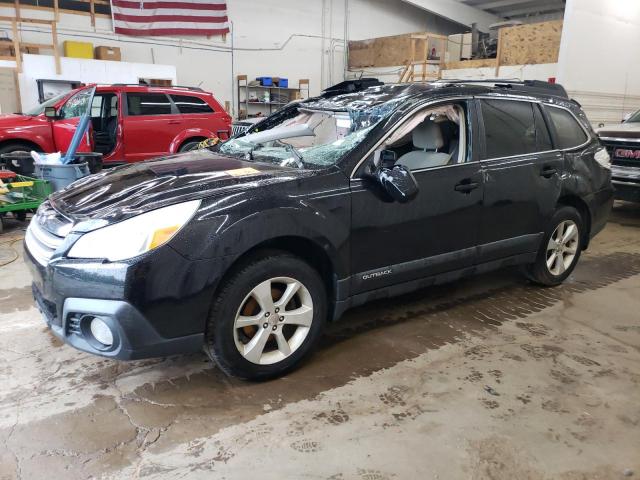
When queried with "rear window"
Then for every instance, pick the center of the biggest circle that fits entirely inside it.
(148, 104)
(569, 133)
(513, 128)
(189, 104)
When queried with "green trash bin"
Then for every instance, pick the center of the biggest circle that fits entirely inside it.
(60, 176)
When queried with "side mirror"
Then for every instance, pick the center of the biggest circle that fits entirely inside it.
(398, 182)
(51, 113)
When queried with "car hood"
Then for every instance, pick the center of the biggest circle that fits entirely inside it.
(622, 130)
(123, 192)
(14, 119)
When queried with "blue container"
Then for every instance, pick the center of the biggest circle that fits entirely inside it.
(265, 81)
(283, 83)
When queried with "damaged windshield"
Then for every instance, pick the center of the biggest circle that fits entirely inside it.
(314, 134)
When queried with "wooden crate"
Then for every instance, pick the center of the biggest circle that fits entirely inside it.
(530, 44)
(387, 51)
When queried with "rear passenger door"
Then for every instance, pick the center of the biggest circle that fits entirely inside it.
(150, 124)
(522, 172)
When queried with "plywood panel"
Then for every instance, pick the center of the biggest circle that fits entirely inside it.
(386, 51)
(530, 44)
(9, 97)
(361, 53)
(480, 63)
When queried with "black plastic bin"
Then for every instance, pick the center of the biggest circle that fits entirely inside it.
(19, 162)
(22, 162)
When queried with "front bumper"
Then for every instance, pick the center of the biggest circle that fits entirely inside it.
(133, 335)
(165, 321)
(626, 182)
(627, 191)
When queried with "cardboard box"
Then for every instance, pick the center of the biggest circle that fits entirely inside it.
(108, 53)
(78, 49)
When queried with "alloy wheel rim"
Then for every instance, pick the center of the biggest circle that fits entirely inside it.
(273, 320)
(562, 247)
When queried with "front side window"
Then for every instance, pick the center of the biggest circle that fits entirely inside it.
(433, 137)
(77, 105)
(190, 104)
(569, 133)
(39, 110)
(633, 118)
(511, 128)
(148, 104)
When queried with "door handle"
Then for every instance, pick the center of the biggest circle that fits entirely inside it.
(548, 172)
(174, 122)
(465, 186)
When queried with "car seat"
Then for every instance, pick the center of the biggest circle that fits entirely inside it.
(427, 140)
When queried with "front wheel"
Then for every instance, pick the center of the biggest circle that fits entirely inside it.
(266, 318)
(560, 248)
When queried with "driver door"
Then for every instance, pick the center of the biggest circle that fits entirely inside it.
(68, 119)
(432, 234)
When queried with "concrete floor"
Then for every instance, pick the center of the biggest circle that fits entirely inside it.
(487, 378)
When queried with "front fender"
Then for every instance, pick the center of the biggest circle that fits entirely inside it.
(325, 222)
(187, 134)
(43, 142)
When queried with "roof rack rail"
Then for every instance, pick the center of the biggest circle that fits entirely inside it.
(350, 86)
(540, 86)
(186, 87)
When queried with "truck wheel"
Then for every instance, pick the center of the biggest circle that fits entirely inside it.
(560, 248)
(268, 315)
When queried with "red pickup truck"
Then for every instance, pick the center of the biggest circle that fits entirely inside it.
(129, 123)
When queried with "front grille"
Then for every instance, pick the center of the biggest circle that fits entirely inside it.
(240, 127)
(46, 233)
(628, 145)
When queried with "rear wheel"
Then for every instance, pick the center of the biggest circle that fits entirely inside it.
(189, 146)
(560, 248)
(267, 317)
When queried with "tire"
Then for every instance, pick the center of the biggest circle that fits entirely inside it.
(17, 147)
(188, 146)
(249, 341)
(548, 269)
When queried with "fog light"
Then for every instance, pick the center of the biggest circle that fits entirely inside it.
(101, 332)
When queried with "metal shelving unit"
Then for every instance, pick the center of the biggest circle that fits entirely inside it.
(247, 107)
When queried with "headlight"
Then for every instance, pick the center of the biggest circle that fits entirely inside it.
(136, 235)
(603, 158)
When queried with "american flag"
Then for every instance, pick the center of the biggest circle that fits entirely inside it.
(170, 17)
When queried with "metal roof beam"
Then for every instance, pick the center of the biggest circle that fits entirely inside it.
(501, 3)
(548, 7)
(457, 12)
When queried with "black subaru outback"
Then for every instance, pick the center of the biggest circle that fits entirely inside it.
(248, 249)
